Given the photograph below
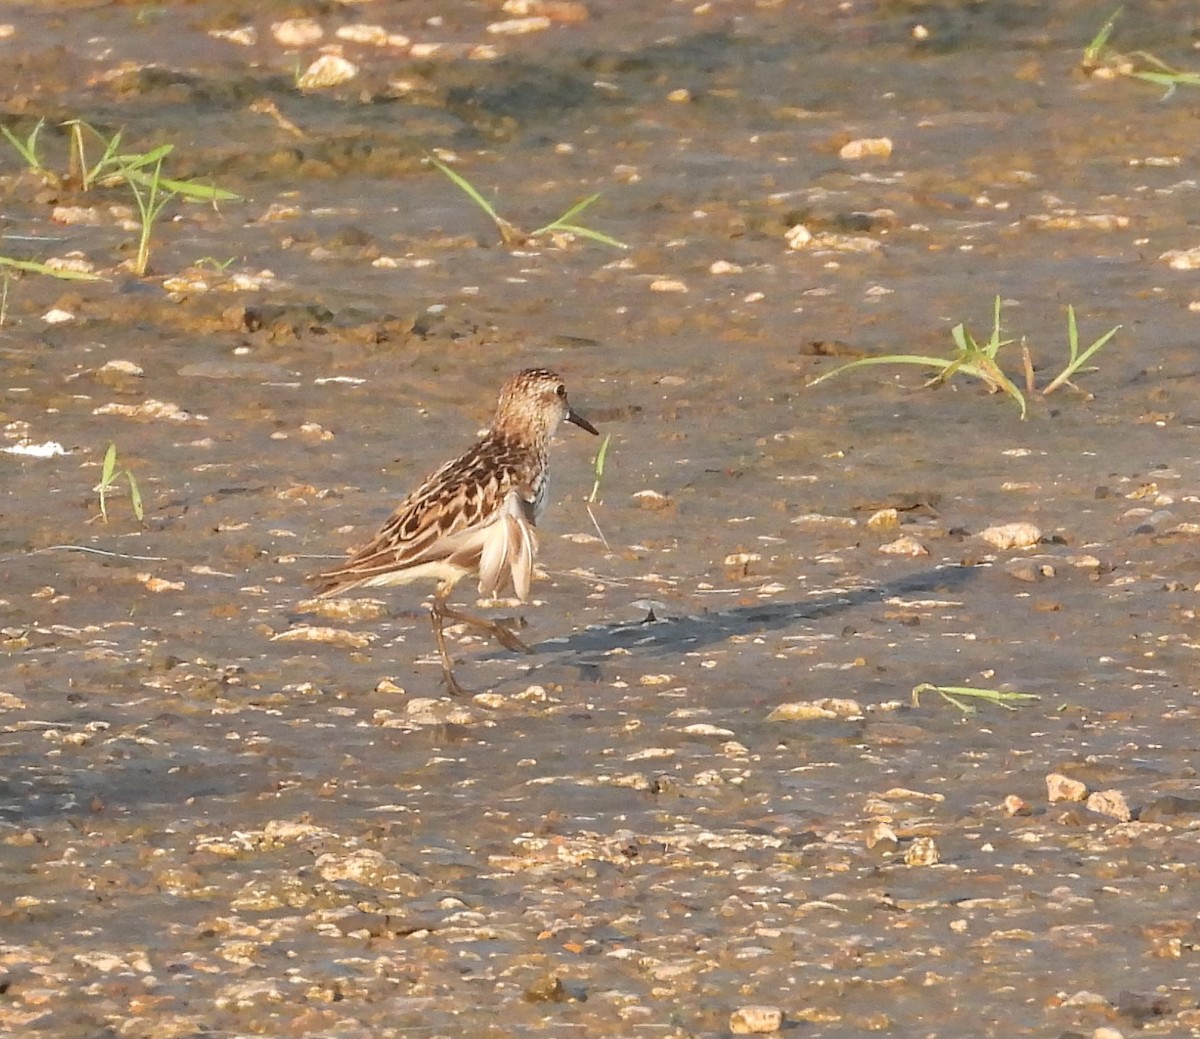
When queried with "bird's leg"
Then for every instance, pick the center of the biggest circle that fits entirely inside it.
(438, 614)
(500, 632)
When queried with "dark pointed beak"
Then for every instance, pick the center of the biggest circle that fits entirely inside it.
(578, 420)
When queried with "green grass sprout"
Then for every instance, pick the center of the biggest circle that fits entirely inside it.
(601, 456)
(141, 168)
(969, 357)
(33, 267)
(77, 163)
(513, 236)
(110, 476)
(954, 694)
(561, 225)
(1136, 65)
(980, 360)
(214, 263)
(28, 148)
(151, 197)
(1077, 359)
(1093, 53)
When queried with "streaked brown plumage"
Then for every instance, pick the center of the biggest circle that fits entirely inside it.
(476, 514)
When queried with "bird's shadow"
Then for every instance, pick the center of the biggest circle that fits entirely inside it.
(659, 635)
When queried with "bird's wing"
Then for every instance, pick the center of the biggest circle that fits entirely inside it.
(509, 547)
(439, 520)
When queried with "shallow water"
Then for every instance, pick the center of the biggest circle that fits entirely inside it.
(210, 828)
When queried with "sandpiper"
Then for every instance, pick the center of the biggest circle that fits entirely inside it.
(476, 515)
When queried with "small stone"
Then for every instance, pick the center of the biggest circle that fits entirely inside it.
(1014, 805)
(1111, 803)
(363, 866)
(668, 285)
(1023, 570)
(884, 519)
(297, 32)
(922, 852)
(1063, 788)
(556, 10)
(122, 368)
(904, 546)
(1182, 259)
(755, 1020)
(881, 833)
(374, 35)
(1011, 535)
(1169, 807)
(653, 501)
(327, 71)
(809, 710)
(798, 237)
(866, 147)
(328, 636)
(548, 989)
(157, 584)
(519, 26)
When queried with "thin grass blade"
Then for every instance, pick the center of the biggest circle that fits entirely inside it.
(963, 340)
(40, 268)
(188, 189)
(137, 162)
(135, 496)
(110, 465)
(1093, 51)
(1083, 358)
(583, 232)
(467, 188)
(27, 148)
(928, 362)
(563, 221)
(600, 457)
(955, 693)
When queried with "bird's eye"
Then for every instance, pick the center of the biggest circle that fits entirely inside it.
(561, 391)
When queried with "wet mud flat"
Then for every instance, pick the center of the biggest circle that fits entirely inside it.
(225, 810)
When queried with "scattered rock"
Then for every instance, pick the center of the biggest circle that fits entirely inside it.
(755, 1020)
(807, 710)
(1027, 570)
(327, 71)
(326, 635)
(866, 147)
(1011, 535)
(519, 26)
(1111, 803)
(884, 519)
(922, 852)
(548, 989)
(1163, 809)
(1014, 805)
(881, 833)
(297, 32)
(904, 546)
(1063, 788)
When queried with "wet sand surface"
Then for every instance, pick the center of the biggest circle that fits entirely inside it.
(226, 810)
